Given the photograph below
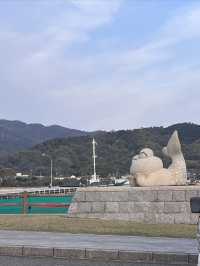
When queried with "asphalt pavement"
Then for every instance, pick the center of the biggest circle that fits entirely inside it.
(104, 242)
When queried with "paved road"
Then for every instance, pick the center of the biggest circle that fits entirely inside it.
(106, 242)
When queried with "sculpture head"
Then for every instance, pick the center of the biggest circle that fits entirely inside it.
(145, 162)
(146, 152)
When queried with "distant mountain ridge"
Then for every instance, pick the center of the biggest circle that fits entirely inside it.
(17, 135)
(73, 156)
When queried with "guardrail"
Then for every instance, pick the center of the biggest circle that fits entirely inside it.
(42, 191)
(27, 202)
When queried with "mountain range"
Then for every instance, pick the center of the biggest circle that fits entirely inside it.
(17, 135)
(73, 155)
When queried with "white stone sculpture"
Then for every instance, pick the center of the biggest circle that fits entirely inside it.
(147, 169)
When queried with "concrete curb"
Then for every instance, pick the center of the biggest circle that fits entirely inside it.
(100, 255)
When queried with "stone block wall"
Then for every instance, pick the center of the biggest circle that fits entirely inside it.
(45, 256)
(153, 205)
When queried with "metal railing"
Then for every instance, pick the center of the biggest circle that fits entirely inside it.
(26, 202)
(69, 191)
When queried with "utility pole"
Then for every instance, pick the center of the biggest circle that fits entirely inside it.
(51, 184)
(51, 170)
(94, 159)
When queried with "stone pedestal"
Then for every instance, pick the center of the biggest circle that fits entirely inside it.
(155, 205)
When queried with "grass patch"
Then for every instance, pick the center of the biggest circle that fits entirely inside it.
(93, 226)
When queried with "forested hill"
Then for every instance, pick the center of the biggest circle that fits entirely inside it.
(16, 135)
(114, 150)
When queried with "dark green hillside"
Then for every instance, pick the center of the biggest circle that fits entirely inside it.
(188, 132)
(114, 150)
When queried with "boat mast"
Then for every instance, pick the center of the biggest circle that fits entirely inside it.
(94, 158)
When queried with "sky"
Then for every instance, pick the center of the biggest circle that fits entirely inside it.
(100, 64)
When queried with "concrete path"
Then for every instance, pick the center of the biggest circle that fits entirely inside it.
(105, 242)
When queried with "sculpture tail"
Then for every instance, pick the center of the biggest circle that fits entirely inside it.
(173, 147)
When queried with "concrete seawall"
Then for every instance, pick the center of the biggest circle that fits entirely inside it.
(155, 205)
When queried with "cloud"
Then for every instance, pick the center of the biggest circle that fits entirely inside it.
(93, 14)
(185, 25)
(58, 74)
(32, 50)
